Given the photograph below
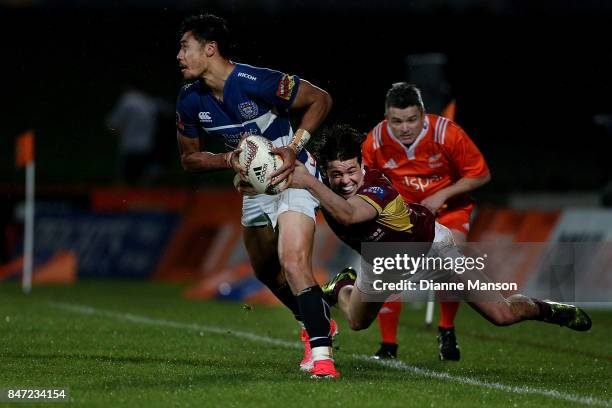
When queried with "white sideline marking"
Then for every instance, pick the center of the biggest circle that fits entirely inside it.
(169, 323)
(398, 365)
(394, 364)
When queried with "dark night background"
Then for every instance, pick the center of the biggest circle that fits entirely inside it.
(528, 79)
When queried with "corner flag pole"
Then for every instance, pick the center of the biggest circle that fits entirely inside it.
(430, 308)
(25, 157)
(29, 228)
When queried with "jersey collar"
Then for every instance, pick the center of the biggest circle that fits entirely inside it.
(410, 150)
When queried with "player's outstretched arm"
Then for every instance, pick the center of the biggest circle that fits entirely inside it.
(347, 212)
(193, 160)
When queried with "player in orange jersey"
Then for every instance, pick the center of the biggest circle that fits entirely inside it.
(432, 161)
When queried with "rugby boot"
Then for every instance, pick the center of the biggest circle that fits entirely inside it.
(331, 289)
(386, 351)
(324, 369)
(569, 316)
(307, 363)
(447, 344)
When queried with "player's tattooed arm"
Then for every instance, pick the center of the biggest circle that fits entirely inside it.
(346, 211)
(194, 160)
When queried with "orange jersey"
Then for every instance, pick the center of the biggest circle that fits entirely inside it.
(442, 154)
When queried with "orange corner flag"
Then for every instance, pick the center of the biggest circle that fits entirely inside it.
(24, 149)
(449, 111)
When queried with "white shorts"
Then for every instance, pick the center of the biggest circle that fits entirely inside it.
(444, 242)
(264, 209)
(443, 246)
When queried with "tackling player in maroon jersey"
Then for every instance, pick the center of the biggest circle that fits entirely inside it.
(362, 206)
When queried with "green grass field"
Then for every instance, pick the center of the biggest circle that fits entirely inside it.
(140, 344)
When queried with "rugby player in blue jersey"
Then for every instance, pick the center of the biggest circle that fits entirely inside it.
(230, 100)
(360, 205)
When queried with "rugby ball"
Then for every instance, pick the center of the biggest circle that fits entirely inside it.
(259, 163)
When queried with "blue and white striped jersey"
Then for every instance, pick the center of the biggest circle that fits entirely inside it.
(255, 101)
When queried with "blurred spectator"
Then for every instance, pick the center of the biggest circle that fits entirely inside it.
(605, 121)
(136, 118)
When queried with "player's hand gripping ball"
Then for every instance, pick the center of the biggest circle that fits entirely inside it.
(259, 163)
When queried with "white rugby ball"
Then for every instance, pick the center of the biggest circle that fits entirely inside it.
(259, 163)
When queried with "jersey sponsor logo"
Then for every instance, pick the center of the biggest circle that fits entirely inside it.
(420, 183)
(377, 191)
(179, 122)
(232, 140)
(205, 117)
(391, 164)
(248, 110)
(247, 76)
(187, 86)
(376, 235)
(285, 87)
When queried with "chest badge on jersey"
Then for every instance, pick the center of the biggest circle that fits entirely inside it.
(377, 191)
(248, 110)
(433, 160)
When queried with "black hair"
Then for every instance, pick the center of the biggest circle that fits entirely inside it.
(207, 28)
(402, 95)
(337, 142)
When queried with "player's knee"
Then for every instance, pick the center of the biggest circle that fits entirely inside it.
(357, 325)
(362, 321)
(294, 264)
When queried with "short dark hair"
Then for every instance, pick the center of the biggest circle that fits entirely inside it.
(207, 28)
(337, 142)
(402, 95)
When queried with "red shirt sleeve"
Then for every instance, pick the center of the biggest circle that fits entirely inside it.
(367, 151)
(463, 153)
